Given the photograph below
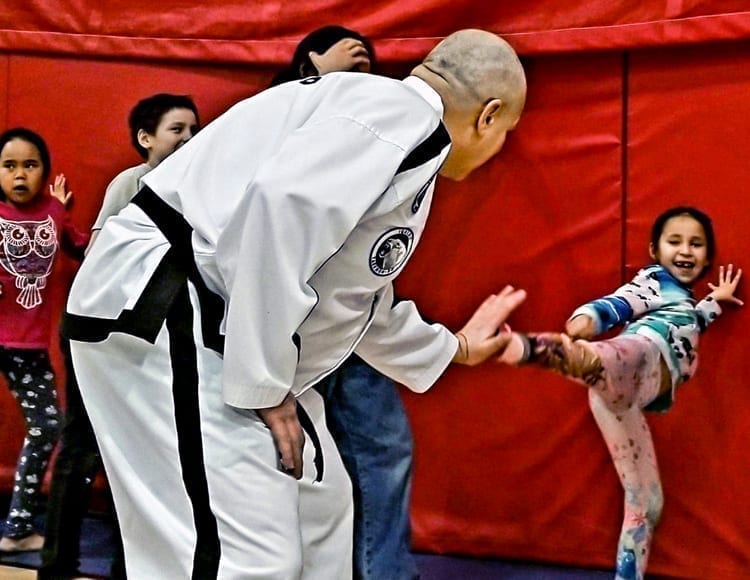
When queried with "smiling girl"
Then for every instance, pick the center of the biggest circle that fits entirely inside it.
(641, 368)
(33, 225)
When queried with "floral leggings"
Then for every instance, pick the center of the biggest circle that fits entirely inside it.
(32, 384)
(631, 379)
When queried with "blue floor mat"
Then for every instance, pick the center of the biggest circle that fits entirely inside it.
(96, 549)
(96, 554)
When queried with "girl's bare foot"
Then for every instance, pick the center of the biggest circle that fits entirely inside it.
(555, 351)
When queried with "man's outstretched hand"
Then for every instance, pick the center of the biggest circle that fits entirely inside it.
(483, 335)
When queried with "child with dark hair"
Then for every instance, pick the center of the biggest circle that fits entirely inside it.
(33, 226)
(328, 49)
(157, 114)
(159, 125)
(641, 368)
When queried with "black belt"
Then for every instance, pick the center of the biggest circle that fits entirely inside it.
(147, 316)
(308, 427)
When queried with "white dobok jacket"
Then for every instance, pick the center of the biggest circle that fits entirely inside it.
(297, 207)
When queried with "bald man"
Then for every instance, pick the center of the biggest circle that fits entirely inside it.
(255, 260)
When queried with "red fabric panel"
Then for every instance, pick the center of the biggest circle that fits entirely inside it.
(3, 89)
(11, 436)
(505, 458)
(690, 133)
(509, 463)
(266, 32)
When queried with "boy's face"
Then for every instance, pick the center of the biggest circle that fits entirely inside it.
(176, 127)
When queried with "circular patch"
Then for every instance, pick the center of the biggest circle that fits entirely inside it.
(391, 251)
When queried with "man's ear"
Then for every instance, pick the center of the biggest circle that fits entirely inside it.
(491, 110)
(144, 139)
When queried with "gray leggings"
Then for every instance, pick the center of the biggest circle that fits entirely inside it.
(32, 384)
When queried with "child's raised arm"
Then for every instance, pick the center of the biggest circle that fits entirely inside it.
(727, 286)
(59, 191)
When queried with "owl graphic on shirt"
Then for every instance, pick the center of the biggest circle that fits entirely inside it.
(27, 250)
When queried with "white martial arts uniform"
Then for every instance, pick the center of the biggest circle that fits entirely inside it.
(259, 256)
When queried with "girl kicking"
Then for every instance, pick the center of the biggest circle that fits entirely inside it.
(641, 368)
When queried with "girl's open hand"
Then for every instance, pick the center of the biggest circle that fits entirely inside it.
(727, 286)
(57, 190)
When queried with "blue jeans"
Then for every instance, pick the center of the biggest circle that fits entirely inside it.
(367, 419)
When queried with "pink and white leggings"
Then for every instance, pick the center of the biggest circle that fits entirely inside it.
(631, 380)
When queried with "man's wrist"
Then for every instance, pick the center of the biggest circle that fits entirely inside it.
(462, 354)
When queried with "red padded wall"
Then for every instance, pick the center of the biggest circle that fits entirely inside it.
(267, 30)
(509, 462)
(689, 127)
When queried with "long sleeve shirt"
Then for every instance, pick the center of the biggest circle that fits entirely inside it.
(119, 192)
(655, 304)
(30, 237)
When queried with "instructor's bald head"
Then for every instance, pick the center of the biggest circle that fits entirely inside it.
(483, 87)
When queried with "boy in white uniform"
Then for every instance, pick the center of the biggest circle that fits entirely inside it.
(257, 258)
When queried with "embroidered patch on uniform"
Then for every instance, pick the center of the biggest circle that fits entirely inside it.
(420, 195)
(391, 251)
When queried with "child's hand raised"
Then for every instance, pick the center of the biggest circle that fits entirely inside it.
(347, 54)
(728, 281)
(58, 190)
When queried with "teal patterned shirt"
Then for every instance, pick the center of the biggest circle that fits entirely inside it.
(657, 305)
